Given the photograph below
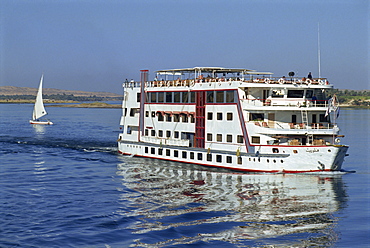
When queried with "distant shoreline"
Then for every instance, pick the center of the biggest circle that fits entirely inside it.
(71, 104)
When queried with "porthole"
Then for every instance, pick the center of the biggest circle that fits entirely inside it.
(281, 161)
(329, 150)
(295, 151)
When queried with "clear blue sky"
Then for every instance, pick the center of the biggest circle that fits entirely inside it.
(95, 45)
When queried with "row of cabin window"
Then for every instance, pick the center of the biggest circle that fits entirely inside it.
(229, 137)
(184, 117)
(218, 96)
(280, 93)
(184, 155)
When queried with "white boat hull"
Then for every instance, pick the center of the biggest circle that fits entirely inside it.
(41, 122)
(305, 159)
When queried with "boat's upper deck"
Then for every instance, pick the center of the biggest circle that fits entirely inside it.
(188, 77)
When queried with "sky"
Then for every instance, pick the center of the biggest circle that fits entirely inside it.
(93, 45)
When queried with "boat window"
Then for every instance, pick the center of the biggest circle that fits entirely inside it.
(210, 96)
(160, 151)
(160, 133)
(176, 118)
(153, 132)
(129, 130)
(219, 96)
(309, 93)
(229, 116)
(192, 97)
(146, 132)
(168, 118)
(146, 113)
(229, 159)
(219, 116)
(209, 116)
(168, 96)
(191, 155)
(229, 138)
(160, 116)
(192, 119)
(209, 137)
(256, 139)
(295, 93)
(322, 118)
(275, 150)
(277, 93)
(185, 97)
(160, 96)
(168, 152)
(176, 153)
(184, 154)
(256, 117)
(218, 158)
(177, 96)
(230, 96)
(240, 138)
(176, 135)
(146, 149)
(138, 95)
(153, 113)
(184, 118)
(209, 157)
(152, 150)
(153, 97)
(200, 156)
(240, 161)
(219, 137)
(168, 133)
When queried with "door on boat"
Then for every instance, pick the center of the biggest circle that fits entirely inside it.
(271, 120)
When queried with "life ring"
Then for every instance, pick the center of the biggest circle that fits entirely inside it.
(308, 81)
(192, 83)
(281, 81)
(160, 84)
(267, 80)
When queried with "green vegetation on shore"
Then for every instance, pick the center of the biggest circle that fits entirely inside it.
(352, 98)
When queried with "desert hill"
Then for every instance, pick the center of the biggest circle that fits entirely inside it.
(12, 91)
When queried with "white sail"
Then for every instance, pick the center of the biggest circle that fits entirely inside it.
(39, 109)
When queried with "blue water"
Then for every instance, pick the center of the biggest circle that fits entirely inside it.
(66, 186)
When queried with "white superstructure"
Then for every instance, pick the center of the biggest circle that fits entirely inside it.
(232, 118)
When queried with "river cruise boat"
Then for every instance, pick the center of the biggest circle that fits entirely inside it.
(236, 119)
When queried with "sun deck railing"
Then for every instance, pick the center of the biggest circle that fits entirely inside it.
(263, 80)
(279, 125)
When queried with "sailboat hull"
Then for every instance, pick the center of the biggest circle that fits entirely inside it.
(41, 122)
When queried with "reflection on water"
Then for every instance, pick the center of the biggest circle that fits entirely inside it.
(39, 129)
(229, 207)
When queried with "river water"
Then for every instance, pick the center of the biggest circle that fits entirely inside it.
(66, 186)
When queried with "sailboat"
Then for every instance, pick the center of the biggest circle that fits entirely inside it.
(39, 109)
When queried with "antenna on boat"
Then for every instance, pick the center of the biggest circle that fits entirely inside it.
(318, 47)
